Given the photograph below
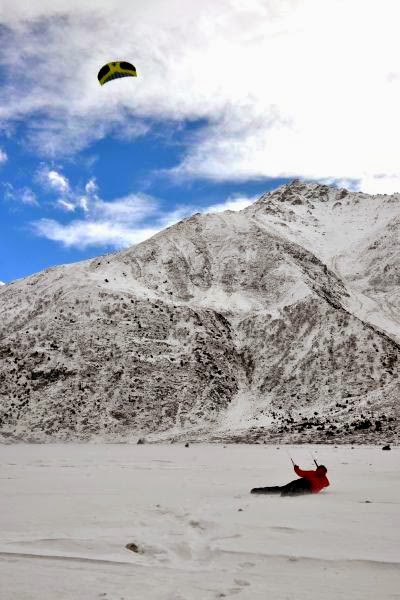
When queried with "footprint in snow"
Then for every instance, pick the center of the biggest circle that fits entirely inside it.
(242, 582)
(246, 565)
(284, 529)
(202, 525)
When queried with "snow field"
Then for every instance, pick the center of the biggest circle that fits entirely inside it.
(68, 511)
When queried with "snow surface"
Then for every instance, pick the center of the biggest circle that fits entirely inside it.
(68, 511)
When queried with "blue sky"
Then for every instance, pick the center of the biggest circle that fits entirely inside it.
(45, 201)
(231, 99)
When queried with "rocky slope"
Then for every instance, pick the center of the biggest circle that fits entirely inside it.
(280, 322)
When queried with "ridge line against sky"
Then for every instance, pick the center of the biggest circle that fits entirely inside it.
(232, 98)
(122, 222)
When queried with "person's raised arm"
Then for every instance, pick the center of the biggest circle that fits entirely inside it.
(300, 472)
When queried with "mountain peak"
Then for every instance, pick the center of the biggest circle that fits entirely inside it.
(299, 192)
(279, 322)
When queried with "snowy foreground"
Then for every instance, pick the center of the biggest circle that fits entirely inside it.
(68, 511)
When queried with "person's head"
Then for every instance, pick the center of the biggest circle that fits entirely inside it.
(321, 470)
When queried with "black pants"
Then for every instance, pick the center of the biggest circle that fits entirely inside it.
(294, 488)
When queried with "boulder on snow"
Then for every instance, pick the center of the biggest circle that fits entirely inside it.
(387, 447)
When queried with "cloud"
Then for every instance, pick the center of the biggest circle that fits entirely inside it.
(53, 180)
(86, 198)
(81, 234)
(27, 196)
(375, 184)
(281, 94)
(96, 222)
(2, 283)
(23, 195)
(70, 198)
(235, 203)
(124, 221)
(379, 184)
(117, 223)
(66, 205)
(58, 181)
(3, 156)
(91, 186)
(134, 207)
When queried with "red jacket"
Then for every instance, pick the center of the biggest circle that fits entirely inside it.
(318, 480)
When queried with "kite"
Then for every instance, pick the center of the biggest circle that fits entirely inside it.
(115, 70)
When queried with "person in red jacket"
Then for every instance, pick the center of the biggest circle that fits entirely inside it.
(310, 482)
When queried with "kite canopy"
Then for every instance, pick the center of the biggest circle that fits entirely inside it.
(115, 70)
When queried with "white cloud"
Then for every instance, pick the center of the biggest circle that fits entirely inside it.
(3, 156)
(66, 205)
(129, 209)
(82, 234)
(134, 207)
(24, 195)
(118, 224)
(375, 184)
(9, 193)
(83, 203)
(91, 186)
(57, 181)
(232, 203)
(27, 196)
(2, 283)
(380, 184)
(125, 221)
(70, 199)
(288, 87)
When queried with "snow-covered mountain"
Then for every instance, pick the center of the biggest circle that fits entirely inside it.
(279, 322)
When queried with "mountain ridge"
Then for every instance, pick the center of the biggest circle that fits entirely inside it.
(230, 326)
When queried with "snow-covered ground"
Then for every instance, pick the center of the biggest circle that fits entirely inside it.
(68, 511)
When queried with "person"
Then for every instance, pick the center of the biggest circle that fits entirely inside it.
(310, 482)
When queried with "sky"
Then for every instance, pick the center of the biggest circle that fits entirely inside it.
(233, 98)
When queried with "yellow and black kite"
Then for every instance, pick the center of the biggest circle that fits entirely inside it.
(115, 70)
